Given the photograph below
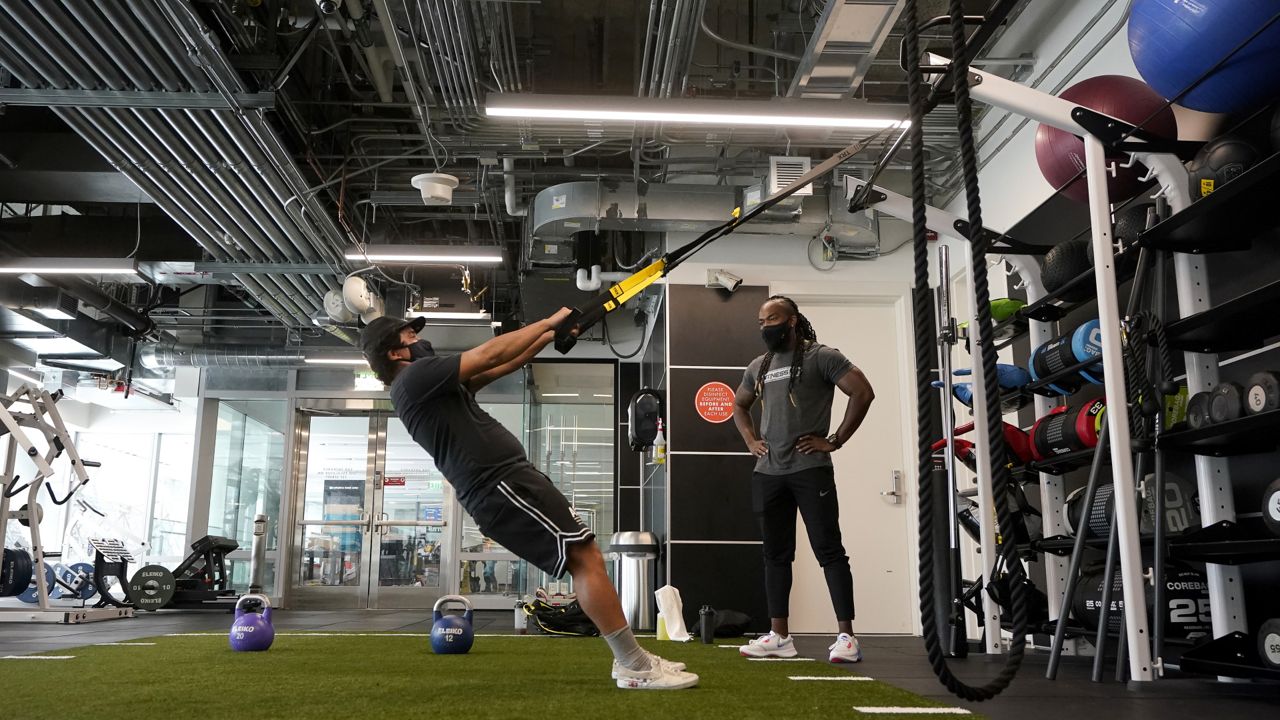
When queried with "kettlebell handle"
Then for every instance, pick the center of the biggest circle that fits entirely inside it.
(466, 605)
(266, 603)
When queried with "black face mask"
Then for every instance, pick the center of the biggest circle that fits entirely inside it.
(419, 350)
(775, 336)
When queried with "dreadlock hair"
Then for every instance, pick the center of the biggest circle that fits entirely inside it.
(807, 336)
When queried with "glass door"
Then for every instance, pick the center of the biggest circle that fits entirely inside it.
(413, 505)
(334, 469)
(373, 511)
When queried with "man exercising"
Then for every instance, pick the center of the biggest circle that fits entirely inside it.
(795, 382)
(508, 497)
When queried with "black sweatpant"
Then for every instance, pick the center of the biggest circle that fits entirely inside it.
(775, 499)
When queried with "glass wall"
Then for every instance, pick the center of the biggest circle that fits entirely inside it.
(172, 496)
(248, 469)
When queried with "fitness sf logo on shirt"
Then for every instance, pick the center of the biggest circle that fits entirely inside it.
(777, 375)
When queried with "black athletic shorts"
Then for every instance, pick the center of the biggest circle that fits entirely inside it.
(527, 515)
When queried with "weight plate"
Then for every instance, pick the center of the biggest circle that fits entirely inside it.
(1263, 393)
(15, 572)
(1271, 507)
(1198, 410)
(32, 593)
(152, 587)
(76, 580)
(25, 518)
(1227, 402)
(1269, 643)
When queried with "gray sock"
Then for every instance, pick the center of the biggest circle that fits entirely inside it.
(626, 650)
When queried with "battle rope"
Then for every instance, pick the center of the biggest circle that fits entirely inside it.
(925, 345)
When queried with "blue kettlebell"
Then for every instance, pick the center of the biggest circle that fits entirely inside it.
(252, 631)
(451, 634)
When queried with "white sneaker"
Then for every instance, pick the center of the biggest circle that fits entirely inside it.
(845, 649)
(771, 645)
(661, 675)
(671, 665)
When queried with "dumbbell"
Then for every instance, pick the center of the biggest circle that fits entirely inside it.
(1262, 393)
(1271, 507)
(1198, 410)
(1226, 402)
(1269, 643)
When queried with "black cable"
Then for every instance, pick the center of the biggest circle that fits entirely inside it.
(922, 315)
(604, 326)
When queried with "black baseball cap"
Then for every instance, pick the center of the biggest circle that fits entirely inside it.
(383, 334)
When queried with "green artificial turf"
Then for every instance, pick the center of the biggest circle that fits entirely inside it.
(397, 676)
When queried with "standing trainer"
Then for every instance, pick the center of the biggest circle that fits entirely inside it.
(795, 382)
(511, 501)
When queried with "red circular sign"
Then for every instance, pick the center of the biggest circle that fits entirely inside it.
(714, 402)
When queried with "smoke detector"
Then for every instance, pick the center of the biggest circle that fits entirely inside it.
(436, 188)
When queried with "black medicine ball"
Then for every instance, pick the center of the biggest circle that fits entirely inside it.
(1219, 162)
(1063, 263)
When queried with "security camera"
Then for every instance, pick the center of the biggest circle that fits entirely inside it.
(723, 279)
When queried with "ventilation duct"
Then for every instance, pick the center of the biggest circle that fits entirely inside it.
(172, 355)
(561, 212)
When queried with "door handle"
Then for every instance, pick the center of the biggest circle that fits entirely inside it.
(894, 494)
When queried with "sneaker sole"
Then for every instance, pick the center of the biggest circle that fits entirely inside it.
(791, 654)
(615, 675)
(843, 660)
(623, 684)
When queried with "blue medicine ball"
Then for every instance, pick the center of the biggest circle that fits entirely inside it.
(1174, 42)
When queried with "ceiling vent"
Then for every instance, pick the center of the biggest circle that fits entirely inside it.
(785, 170)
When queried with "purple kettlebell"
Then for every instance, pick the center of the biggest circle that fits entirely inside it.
(252, 631)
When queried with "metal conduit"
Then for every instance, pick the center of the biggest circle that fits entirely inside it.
(233, 215)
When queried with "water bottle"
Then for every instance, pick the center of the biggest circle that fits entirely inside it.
(707, 621)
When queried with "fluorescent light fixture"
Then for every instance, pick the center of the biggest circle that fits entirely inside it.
(425, 254)
(602, 395)
(336, 361)
(785, 112)
(69, 266)
(559, 394)
(432, 315)
(27, 378)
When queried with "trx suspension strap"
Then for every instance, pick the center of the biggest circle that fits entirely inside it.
(591, 312)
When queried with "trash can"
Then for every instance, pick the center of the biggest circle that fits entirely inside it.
(635, 554)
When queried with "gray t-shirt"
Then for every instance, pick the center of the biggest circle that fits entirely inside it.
(781, 421)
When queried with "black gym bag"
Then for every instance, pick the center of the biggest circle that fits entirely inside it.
(561, 619)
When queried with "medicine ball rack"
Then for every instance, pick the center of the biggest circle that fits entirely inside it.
(1229, 220)
(1241, 323)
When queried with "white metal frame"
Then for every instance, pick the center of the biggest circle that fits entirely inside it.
(45, 419)
(1056, 112)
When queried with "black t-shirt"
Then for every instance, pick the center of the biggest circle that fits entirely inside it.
(470, 448)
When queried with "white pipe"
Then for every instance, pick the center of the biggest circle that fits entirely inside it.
(589, 282)
(514, 209)
(378, 58)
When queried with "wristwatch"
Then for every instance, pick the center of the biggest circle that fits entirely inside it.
(834, 439)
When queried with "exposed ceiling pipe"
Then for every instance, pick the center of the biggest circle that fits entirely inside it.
(175, 156)
(139, 325)
(768, 52)
(514, 209)
(381, 66)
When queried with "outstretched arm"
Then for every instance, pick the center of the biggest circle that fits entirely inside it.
(505, 348)
(484, 378)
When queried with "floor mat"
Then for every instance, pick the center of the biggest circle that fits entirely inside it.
(342, 675)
